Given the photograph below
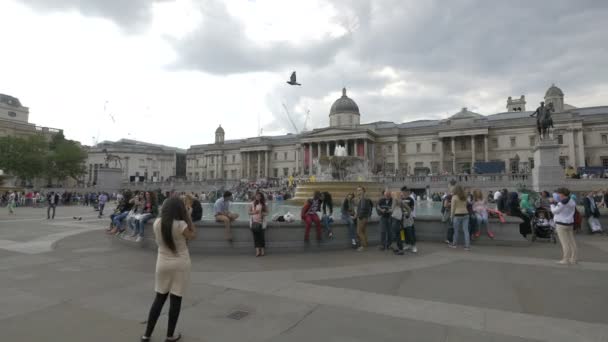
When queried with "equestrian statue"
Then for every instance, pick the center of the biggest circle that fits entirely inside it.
(544, 121)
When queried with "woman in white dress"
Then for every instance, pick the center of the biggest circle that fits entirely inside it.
(171, 231)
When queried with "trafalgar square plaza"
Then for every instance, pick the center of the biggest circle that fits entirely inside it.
(381, 203)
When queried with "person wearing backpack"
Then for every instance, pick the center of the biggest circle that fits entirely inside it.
(563, 209)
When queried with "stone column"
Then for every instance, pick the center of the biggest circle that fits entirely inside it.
(364, 148)
(258, 155)
(453, 154)
(571, 154)
(302, 156)
(327, 149)
(441, 157)
(266, 155)
(297, 158)
(310, 159)
(485, 148)
(247, 156)
(581, 148)
(396, 151)
(472, 152)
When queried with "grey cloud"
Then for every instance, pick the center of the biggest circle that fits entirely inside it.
(220, 46)
(129, 14)
(462, 48)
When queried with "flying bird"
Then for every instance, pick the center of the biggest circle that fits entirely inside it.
(292, 79)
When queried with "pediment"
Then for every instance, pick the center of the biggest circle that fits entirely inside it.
(330, 131)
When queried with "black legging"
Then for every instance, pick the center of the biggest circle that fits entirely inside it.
(175, 304)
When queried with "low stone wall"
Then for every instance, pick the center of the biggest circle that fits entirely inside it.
(289, 237)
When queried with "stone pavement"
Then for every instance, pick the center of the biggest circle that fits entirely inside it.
(65, 280)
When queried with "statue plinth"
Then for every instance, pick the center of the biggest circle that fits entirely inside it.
(547, 173)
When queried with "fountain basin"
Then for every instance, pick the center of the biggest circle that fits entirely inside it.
(284, 237)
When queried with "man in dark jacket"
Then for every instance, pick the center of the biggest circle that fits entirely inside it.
(52, 199)
(385, 210)
(363, 211)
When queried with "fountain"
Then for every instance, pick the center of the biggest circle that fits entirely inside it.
(339, 175)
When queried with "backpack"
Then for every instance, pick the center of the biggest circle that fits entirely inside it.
(578, 220)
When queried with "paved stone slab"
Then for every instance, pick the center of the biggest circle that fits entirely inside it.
(519, 288)
(374, 327)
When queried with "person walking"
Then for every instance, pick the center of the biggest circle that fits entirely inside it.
(460, 217)
(103, 199)
(171, 232)
(52, 200)
(257, 213)
(385, 211)
(348, 216)
(563, 207)
(363, 213)
(11, 203)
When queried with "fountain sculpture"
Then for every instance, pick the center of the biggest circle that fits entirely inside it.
(340, 175)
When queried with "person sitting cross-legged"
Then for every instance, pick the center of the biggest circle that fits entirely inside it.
(222, 213)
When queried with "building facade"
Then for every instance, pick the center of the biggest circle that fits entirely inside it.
(451, 145)
(139, 161)
(14, 120)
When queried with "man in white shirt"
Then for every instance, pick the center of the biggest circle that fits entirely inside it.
(563, 209)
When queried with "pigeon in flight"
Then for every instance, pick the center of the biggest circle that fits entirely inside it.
(292, 79)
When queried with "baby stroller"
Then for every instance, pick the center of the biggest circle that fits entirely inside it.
(542, 225)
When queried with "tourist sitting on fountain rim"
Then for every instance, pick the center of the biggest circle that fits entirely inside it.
(221, 210)
(309, 215)
(348, 216)
(385, 210)
(328, 212)
(364, 209)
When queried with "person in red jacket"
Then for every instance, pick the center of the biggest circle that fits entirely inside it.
(309, 215)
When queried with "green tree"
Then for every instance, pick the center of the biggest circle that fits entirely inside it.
(65, 159)
(23, 157)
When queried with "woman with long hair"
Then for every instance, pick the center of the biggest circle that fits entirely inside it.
(171, 231)
(480, 208)
(150, 212)
(258, 212)
(309, 215)
(460, 217)
(328, 212)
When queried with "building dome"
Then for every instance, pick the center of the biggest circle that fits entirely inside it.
(344, 105)
(219, 130)
(554, 91)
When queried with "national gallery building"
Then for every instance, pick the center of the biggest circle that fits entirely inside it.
(450, 145)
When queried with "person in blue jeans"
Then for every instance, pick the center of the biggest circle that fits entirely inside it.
(348, 216)
(150, 211)
(385, 210)
(460, 217)
(327, 208)
(120, 213)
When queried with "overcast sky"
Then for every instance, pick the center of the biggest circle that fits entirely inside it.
(170, 72)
